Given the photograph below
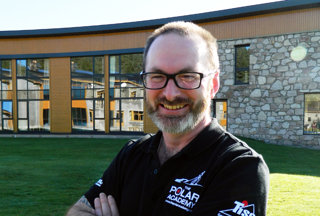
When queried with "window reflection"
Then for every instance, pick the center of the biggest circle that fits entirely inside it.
(242, 64)
(87, 90)
(33, 91)
(6, 115)
(126, 93)
(312, 114)
(219, 111)
(7, 109)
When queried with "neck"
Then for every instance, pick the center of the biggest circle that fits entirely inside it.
(173, 143)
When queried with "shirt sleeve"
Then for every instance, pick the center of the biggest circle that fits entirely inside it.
(240, 188)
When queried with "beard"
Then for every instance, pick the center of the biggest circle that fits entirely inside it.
(182, 123)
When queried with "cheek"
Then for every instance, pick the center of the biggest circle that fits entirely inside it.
(151, 95)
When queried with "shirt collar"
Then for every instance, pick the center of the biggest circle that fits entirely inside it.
(207, 137)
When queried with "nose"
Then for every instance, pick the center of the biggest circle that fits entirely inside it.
(171, 91)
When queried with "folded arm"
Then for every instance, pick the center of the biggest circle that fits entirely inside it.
(104, 206)
(81, 208)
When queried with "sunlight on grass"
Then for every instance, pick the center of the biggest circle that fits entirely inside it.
(45, 176)
(299, 194)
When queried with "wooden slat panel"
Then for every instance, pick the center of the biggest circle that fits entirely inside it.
(60, 95)
(253, 26)
(270, 24)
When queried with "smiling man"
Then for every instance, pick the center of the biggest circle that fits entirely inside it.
(191, 166)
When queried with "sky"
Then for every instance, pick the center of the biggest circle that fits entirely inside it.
(47, 14)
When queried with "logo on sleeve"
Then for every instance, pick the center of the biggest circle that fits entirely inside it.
(184, 193)
(241, 208)
(99, 182)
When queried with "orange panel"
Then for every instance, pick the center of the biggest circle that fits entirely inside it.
(79, 104)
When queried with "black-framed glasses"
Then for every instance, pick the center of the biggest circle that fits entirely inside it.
(183, 80)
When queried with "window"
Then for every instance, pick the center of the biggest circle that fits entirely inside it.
(87, 92)
(242, 56)
(6, 115)
(126, 93)
(33, 95)
(312, 113)
(219, 111)
(136, 115)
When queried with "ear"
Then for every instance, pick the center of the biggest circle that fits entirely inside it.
(215, 82)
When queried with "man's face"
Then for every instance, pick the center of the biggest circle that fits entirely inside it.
(172, 109)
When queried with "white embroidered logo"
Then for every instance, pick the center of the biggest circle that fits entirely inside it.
(241, 208)
(99, 183)
(191, 182)
(182, 195)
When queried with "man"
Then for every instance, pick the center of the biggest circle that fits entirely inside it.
(191, 166)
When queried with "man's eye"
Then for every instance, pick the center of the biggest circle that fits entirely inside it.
(157, 78)
(188, 77)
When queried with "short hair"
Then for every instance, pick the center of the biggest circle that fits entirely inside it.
(186, 29)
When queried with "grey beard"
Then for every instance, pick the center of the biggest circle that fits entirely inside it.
(180, 124)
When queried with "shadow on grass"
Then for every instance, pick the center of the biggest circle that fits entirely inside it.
(287, 159)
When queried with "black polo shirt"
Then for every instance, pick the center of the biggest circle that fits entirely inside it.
(215, 174)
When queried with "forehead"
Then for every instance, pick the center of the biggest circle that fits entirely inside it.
(172, 53)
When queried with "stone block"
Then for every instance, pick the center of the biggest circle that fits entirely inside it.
(256, 93)
(282, 68)
(228, 82)
(295, 106)
(262, 116)
(262, 80)
(249, 109)
(277, 85)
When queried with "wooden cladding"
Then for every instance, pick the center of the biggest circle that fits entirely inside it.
(269, 24)
(245, 27)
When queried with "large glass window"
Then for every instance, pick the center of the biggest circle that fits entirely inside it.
(33, 95)
(242, 59)
(6, 116)
(219, 111)
(126, 93)
(312, 114)
(87, 75)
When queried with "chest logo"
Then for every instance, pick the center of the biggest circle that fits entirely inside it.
(191, 182)
(183, 193)
(240, 208)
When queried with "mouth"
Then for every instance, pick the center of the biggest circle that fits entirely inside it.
(173, 107)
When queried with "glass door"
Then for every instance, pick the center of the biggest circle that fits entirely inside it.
(219, 111)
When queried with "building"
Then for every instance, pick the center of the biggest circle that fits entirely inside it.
(85, 79)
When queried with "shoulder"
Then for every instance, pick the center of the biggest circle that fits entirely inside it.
(133, 143)
(238, 155)
(141, 145)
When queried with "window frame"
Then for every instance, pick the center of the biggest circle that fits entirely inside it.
(304, 115)
(45, 92)
(213, 111)
(81, 94)
(241, 69)
(2, 100)
(120, 93)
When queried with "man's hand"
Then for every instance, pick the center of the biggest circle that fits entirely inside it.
(105, 206)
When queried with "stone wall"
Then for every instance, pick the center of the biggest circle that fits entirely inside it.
(271, 106)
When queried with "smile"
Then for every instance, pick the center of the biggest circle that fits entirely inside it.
(175, 107)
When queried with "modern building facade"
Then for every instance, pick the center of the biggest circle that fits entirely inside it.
(85, 79)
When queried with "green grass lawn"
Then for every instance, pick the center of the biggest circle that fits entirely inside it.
(44, 176)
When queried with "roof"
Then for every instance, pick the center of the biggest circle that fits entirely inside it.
(266, 8)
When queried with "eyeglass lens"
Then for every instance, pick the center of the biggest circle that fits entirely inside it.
(187, 80)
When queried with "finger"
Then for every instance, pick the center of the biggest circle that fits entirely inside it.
(106, 211)
(97, 206)
(113, 206)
